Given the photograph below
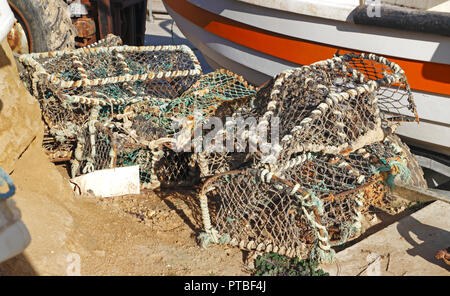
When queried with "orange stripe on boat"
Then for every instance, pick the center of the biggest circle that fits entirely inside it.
(424, 76)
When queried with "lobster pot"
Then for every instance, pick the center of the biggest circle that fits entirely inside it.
(334, 106)
(316, 202)
(213, 92)
(335, 158)
(76, 86)
(211, 97)
(145, 132)
(116, 75)
(103, 145)
(241, 209)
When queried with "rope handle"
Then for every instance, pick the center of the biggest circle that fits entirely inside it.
(11, 188)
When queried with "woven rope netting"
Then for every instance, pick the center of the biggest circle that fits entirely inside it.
(118, 106)
(78, 87)
(204, 99)
(335, 158)
(107, 76)
(305, 209)
(328, 107)
(311, 150)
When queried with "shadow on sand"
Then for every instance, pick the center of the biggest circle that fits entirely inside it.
(428, 239)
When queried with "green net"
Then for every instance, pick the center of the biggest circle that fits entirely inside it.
(202, 100)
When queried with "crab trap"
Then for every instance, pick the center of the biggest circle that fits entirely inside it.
(145, 133)
(335, 157)
(72, 84)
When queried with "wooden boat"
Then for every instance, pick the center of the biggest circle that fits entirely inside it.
(260, 38)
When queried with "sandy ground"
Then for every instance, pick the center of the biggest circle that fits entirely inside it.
(147, 234)
(406, 247)
(108, 241)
